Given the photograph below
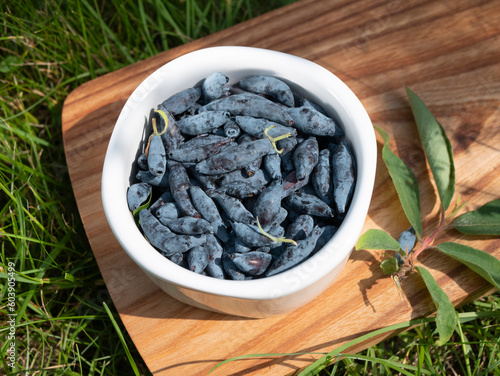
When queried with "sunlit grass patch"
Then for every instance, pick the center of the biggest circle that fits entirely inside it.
(47, 49)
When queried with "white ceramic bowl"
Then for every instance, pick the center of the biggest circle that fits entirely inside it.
(264, 297)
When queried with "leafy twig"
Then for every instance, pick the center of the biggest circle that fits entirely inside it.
(485, 220)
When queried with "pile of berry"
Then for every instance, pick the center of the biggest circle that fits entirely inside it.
(246, 180)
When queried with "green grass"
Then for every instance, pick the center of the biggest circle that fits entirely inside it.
(63, 323)
(474, 349)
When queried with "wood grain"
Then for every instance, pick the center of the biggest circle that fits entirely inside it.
(447, 52)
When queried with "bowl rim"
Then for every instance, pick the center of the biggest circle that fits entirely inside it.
(293, 280)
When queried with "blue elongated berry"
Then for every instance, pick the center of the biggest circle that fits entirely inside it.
(328, 233)
(157, 159)
(240, 246)
(301, 228)
(205, 181)
(193, 151)
(203, 122)
(287, 146)
(253, 167)
(253, 262)
(171, 136)
(309, 204)
(240, 189)
(167, 211)
(307, 103)
(197, 259)
(204, 204)
(209, 211)
(250, 105)
(407, 240)
(214, 250)
(181, 101)
(234, 157)
(256, 127)
(213, 86)
(343, 177)
(251, 235)
(165, 198)
(272, 165)
(306, 157)
(234, 208)
(321, 177)
(178, 258)
(258, 180)
(142, 162)
(269, 85)
(231, 269)
(179, 186)
(292, 184)
(268, 203)
(310, 121)
(160, 181)
(137, 194)
(187, 225)
(163, 239)
(280, 217)
(293, 255)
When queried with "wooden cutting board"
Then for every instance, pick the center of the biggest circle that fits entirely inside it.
(448, 52)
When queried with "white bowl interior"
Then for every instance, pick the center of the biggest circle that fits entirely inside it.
(307, 79)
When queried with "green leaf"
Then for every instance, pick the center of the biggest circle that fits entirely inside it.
(378, 239)
(483, 221)
(10, 64)
(437, 148)
(405, 182)
(446, 319)
(389, 266)
(484, 264)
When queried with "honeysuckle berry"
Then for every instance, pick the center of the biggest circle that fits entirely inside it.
(269, 85)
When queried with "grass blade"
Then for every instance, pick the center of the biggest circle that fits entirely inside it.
(264, 355)
(437, 148)
(311, 369)
(122, 340)
(390, 364)
(108, 32)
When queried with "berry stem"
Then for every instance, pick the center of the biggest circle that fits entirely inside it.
(276, 139)
(427, 242)
(164, 116)
(277, 240)
(155, 129)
